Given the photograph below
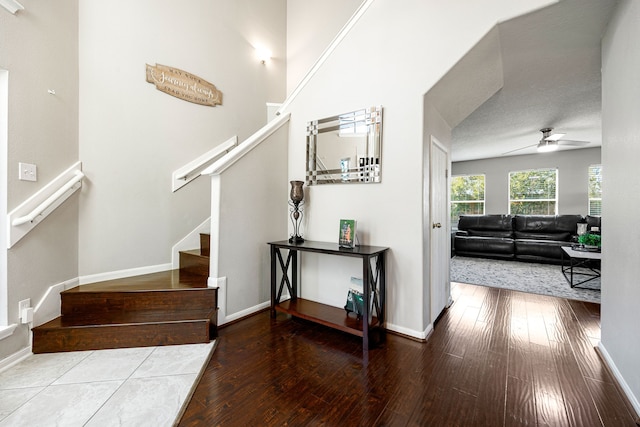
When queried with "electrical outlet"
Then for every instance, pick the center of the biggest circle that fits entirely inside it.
(22, 306)
(28, 172)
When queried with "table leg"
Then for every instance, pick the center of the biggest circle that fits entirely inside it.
(294, 274)
(571, 259)
(365, 312)
(382, 288)
(273, 281)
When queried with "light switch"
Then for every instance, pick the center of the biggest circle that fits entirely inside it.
(28, 172)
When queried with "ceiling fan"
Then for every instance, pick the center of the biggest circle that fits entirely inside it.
(550, 142)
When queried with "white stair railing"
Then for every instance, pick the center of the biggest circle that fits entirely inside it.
(327, 52)
(217, 227)
(193, 169)
(32, 211)
(247, 145)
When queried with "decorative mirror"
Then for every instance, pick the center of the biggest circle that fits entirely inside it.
(345, 148)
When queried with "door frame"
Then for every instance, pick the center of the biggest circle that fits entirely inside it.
(434, 143)
(4, 153)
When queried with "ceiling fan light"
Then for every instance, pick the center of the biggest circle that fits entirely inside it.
(547, 146)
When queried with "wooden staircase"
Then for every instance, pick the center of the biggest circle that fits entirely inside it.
(165, 308)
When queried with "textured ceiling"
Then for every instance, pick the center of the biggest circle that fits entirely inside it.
(549, 77)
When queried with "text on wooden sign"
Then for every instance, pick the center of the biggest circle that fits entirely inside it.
(183, 85)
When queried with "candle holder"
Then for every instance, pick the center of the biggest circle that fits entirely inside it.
(296, 202)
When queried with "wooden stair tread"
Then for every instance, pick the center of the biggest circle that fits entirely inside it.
(163, 308)
(128, 318)
(196, 252)
(194, 263)
(98, 337)
(162, 281)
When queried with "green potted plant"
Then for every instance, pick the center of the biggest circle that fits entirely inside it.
(590, 240)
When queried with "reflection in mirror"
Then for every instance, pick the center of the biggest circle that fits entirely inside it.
(345, 148)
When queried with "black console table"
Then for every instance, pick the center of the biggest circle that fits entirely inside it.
(370, 327)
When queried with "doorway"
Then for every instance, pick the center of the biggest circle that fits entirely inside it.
(438, 225)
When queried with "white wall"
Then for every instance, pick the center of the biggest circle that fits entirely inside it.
(39, 48)
(391, 57)
(253, 211)
(311, 25)
(573, 178)
(132, 136)
(621, 187)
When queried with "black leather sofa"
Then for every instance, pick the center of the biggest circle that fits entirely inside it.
(521, 237)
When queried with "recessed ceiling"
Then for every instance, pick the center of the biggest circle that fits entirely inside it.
(550, 78)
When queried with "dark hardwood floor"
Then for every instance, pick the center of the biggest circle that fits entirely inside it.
(495, 358)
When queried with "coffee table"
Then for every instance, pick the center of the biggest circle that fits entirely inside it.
(583, 259)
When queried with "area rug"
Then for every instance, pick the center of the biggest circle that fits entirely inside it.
(543, 279)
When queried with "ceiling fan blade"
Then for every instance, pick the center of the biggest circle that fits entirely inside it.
(518, 149)
(555, 137)
(572, 142)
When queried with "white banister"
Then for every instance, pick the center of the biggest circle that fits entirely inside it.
(327, 52)
(6, 331)
(11, 5)
(193, 169)
(247, 145)
(78, 175)
(31, 212)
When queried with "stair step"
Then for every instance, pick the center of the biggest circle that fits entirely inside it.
(88, 303)
(157, 291)
(170, 279)
(194, 263)
(120, 330)
(205, 244)
(170, 307)
(134, 317)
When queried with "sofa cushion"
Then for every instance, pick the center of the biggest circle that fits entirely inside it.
(531, 249)
(485, 222)
(498, 226)
(490, 233)
(484, 245)
(547, 223)
(565, 237)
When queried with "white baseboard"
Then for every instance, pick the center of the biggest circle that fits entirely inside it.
(616, 373)
(246, 312)
(221, 284)
(48, 308)
(410, 332)
(111, 275)
(15, 358)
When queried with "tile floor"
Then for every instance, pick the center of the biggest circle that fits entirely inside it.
(145, 386)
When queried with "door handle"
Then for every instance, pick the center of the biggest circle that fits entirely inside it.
(436, 225)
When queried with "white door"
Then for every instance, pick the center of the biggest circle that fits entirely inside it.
(439, 229)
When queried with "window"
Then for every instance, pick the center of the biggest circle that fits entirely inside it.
(595, 190)
(353, 124)
(467, 196)
(533, 192)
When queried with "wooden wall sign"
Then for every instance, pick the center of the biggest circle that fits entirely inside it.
(183, 85)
